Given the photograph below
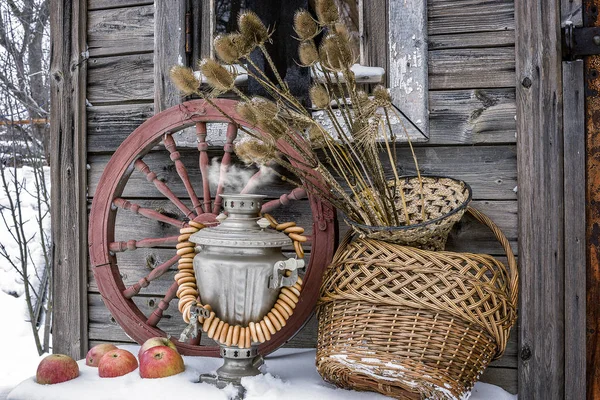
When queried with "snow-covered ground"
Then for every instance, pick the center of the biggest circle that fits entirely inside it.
(16, 336)
(291, 375)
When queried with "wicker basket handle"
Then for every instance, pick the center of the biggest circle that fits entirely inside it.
(512, 262)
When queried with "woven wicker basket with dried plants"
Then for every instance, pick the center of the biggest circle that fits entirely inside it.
(350, 159)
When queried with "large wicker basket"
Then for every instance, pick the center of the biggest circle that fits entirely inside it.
(433, 205)
(413, 323)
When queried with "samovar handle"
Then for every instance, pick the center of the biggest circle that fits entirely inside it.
(278, 279)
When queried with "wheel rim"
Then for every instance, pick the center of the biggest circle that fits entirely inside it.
(103, 247)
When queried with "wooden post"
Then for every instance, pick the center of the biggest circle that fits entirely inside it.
(541, 199)
(68, 71)
(574, 192)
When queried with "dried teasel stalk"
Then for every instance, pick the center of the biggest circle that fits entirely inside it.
(305, 26)
(254, 151)
(226, 49)
(184, 79)
(327, 12)
(216, 75)
(337, 52)
(308, 53)
(252, 28)
(319, 96)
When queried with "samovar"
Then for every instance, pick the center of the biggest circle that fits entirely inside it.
(240, 268)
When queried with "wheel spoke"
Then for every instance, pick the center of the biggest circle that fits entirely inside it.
(228, 148)
(182, 171)
(284, 199)
(202, 148)
(163, 304)
(162, 187)
(145, 281)
(147, 212)
(119, 247)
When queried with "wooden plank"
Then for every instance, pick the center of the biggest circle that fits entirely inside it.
(373, 31)
(68, 177)
(125, 78)
(490, 170)
(407, 62)
(107, 4)
(472, 68)
(102, 326)
(169, 50)
(121, 31)
(459, 16)
(108, 126)
(472, 116)
(506, 378)
(456, 117)
(541, 201)
(472, 40)
(575, 256)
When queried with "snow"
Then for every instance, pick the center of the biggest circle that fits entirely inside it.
(290, 374)
(15, 333)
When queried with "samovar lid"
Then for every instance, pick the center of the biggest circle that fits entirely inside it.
(240, 228)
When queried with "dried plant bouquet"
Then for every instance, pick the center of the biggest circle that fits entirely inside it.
(349, 160)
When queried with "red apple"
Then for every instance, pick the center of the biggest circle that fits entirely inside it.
(160, 362)
(95, 354)
(155, 341)
(56, 368)
(116, 363)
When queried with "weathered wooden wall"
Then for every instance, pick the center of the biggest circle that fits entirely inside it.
(472, 118)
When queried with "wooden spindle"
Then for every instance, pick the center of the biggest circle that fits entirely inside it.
(145, 281)
(225, 162)
(147, 212)
(202, 148)
(182, 171)
(162, 187)
(119, 247)
(284, 199)
(163, 304)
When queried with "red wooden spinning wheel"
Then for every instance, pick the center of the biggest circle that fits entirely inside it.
(198, 205)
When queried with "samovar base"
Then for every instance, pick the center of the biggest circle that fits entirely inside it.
(237, 363)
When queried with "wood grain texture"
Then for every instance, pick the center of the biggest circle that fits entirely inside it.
(472, 68)
(108, 126)
(407, 76)
(107, 4)
(472, 116)
(575, 249)
(169, 50)
(541, 201)
(490, 170)
(456, 117)
(126, 78)
(121, 31)
(472, 40)
(506, 378)
(68, 177)
(459, 16)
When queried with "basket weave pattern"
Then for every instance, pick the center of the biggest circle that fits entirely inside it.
(409, 322)
(443, 201)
